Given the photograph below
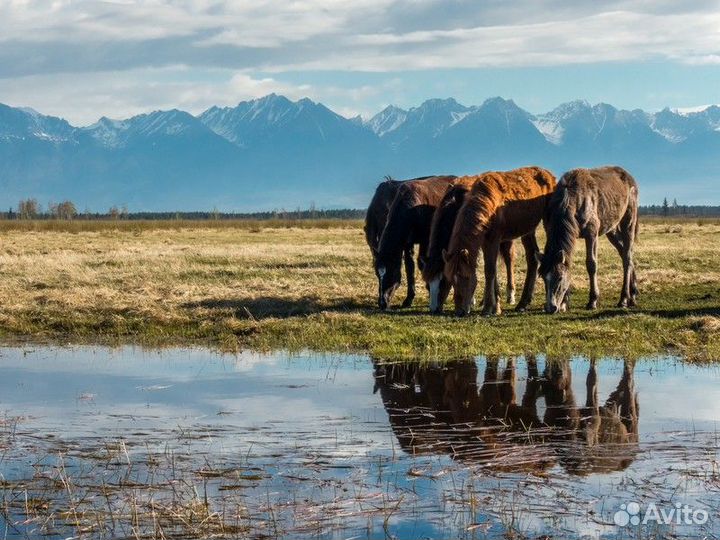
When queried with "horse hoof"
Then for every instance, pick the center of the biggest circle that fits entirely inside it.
(591, 305)
(622, 304)
(407, 303)
(521, 308)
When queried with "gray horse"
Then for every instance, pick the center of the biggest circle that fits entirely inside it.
(586, 204)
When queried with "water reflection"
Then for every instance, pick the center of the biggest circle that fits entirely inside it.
(443, 409)
(299, 446)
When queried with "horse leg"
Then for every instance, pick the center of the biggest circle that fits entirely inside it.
(507, 252)
(490, 298)
(632, 234)
(529, 242)
(443, 293)
(591, 265)
(410, 274)
(627, 234)
(618, 243)
(591, 396)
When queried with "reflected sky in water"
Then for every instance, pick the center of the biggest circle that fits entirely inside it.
(467, 449)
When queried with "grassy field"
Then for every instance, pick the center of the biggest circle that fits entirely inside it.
(289, 285)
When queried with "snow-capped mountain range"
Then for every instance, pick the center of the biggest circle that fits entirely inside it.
(273, 152)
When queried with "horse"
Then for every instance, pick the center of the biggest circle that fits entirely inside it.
(375, 220)
(587, 204)
(408, 223)
(500, 206)
(440, 230)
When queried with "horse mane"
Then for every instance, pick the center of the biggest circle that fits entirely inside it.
(442, 225)
(473, 220)
(377, 212)
(562, 227)
(397, 229)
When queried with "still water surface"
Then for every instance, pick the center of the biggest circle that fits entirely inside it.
(114, 443)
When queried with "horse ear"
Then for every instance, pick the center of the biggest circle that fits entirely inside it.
(465, 254)
(445, 255)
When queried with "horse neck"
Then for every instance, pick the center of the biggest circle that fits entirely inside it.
(466, 234)
(396, 234)
(375, 223)
(562, 231)
(441, 232)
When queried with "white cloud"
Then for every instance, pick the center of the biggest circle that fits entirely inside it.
(375, 35)
(82, 58)
(602, 37)
(82, 98)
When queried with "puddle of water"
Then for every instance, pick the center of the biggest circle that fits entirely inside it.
(106, 443)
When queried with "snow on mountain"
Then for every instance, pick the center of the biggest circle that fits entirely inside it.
(686, 111)
(387, 120)
(22, 123)
(273, 117)
(304, 152)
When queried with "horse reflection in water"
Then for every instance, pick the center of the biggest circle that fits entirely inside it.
(595, 438)
(441, 409)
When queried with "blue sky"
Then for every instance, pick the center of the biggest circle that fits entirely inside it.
(85, 59)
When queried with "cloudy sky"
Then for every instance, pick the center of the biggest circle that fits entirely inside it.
(84, 59)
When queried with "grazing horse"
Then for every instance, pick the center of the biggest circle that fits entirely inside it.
(408, 223)
(375, 220)
(440, 230)
(501, 206)
(587, 204)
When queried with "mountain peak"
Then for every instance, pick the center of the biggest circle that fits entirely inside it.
(22, 122)
(436, 104)
(498, 101)
(387, 120)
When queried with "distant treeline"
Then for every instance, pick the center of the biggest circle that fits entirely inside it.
(674, 209)
(66, 210)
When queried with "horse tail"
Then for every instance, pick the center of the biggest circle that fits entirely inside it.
(637, 228)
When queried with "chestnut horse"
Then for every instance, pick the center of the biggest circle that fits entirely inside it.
(587, 204)
(408, 223)
(501, 206)
(440, 231)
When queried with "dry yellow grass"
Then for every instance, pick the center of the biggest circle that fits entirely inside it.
(263, 287)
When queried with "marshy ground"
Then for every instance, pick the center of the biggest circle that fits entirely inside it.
(102, 443)
(310, 285)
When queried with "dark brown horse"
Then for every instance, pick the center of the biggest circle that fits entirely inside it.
(500, 206)
(440, 231)
(589, 203)
(375, 221)
(408, 223)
